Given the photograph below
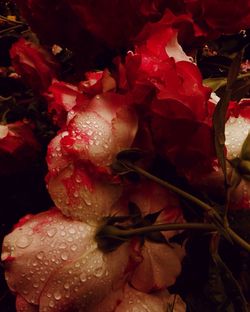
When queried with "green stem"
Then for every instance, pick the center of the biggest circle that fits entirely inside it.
(207, 208)
(110, 230)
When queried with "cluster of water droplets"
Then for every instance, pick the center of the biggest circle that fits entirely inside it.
(42, 247)
(236, 131)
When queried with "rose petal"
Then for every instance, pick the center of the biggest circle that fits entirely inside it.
(85, 281)
(82, 193)
(134, 300)
(159, 268)
(39, 247)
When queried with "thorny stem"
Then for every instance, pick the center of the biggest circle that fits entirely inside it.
(207, 208)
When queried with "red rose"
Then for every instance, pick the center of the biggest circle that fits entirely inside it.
(33, 64)
(18, 146)
(89, 28)
(222, 16)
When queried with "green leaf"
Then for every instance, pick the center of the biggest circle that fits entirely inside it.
(152, 217)
(234, 69)
(245, 150)
(135, 213)
(215, 83)
(157, 237)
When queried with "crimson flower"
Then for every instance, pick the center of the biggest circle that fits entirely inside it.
(18, 146)
(34, 65)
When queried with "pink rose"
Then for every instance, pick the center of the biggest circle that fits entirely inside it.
(81, 192)
(97, 130)
(236, 131)
(53, 263)
(34, 65)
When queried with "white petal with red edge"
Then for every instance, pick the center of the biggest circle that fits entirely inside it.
(40, 246)
(82, 195)
(236, 131)
(90, 137)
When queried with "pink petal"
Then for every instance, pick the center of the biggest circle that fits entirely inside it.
(140, 302)
(159, 268)
(84, 282)
(151, 197)
(90, 137)
(82, 193)
(56, 161)
(39, 247)
(236, 131)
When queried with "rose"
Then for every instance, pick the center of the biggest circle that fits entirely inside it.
(63, 97)
(236, 132)
(34, 65)
(221, 16)
(96, 130)
(18, 146)
(104, 22)
(53, 263)
(150, 273)
(80, 191)
(102, 27)
(168, 87)
(151, 198)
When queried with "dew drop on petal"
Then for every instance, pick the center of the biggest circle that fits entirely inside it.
(63, 246)
(57, 295)
(51, 304)
(40, 255)
(73, 247)
(66, 286)
(64, 256)
(52, 232)
(36, 285)
(24, 241)
(83, 277)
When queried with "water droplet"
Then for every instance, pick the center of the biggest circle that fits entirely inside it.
(36, 285)
(72, 230)
(24, 241)
(64, 256)
(78, 179)
(40, 255)
(73, 247)
(51, 232)
(51, 304)
(98, 271)
(66, 286)
(83, 277)
(57, 295)
(63, 246)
